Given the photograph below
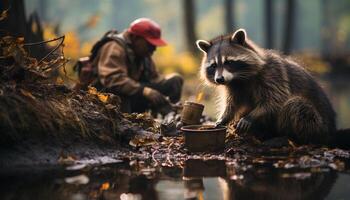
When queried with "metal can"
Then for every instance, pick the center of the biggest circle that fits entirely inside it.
(191, 113)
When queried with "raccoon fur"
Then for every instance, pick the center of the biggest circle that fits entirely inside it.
(266, 93)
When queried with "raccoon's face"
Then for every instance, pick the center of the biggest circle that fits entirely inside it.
(229, 58)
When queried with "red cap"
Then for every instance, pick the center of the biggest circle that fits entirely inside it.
(147, 29)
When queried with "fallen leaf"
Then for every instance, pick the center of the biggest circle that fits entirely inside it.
(102, 97)
(92, 90)
(104, 186)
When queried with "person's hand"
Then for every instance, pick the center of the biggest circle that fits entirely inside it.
(155, 97)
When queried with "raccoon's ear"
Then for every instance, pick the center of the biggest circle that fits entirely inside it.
(239, 36)
(203, 45)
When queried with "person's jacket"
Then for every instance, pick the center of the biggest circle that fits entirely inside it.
(120, 72)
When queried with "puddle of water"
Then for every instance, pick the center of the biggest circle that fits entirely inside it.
(210, 179)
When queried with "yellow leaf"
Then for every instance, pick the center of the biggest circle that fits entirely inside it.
(92, 90)
(105, 186)
(103, 97)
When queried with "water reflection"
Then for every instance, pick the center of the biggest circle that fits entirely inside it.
(275, 186)
(194, 188)
(194, 172)
(210, 179)
(196, 168)
(140, 187)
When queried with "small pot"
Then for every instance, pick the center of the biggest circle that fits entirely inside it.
(191, 113)
(199, 138)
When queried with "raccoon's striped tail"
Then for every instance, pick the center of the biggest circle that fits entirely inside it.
(342, 139)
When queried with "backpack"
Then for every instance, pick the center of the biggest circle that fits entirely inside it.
(84, 67)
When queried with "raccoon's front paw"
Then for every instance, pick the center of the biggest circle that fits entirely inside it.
(243, 125)
(219, 123)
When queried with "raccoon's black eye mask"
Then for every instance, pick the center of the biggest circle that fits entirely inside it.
(211, 69)
(214, 65)
(236, 64)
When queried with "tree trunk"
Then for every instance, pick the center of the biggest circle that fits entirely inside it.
(269, 21)
(229, 16)
(15, 23)
(289, 26)
(189, 23)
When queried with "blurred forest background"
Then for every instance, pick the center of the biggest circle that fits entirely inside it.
(315, 31)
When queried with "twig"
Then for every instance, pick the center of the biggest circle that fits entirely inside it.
(48, 67)
(153, 157)
(53, 50)
(43, 42)
(168, 154)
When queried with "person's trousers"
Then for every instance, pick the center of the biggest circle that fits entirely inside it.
(170, 86)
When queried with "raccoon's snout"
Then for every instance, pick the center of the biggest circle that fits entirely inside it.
(220, 80)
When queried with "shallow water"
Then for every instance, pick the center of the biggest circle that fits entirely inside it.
(197, 180)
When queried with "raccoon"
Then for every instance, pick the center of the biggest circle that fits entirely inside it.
(266, 93)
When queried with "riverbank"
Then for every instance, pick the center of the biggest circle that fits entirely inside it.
(51, 124)
(42, 121)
